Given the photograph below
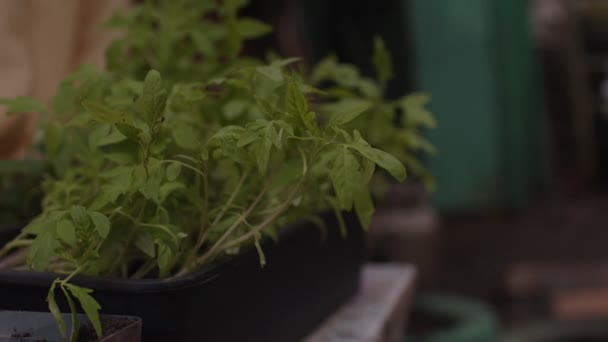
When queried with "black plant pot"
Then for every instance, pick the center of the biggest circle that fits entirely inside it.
(305, 280)
(21, 326)
(8, 232)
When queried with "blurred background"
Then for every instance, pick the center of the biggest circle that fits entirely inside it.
(513, 241)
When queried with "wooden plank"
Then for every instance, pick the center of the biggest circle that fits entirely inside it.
(378, 312)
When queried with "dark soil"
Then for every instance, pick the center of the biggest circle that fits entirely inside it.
(24, 336)
(108, 327)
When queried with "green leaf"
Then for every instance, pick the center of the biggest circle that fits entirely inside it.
(145, 137)
(128, 130)
(287, 174)
(54, 309)
(108, 194)
(53, 138)
(23, 105)
(79, 215)
(151, 188)
(383, 159)
(345, 177)
(272, 72)
(415, 112)
(165, 259)
(66, 231)
(324, 69)
(184, 137)
(167, 188)
(261, 151)
(105, 134)
(364, 206)
(203, 42)
(296, 101)
(103, 113)
(153, 98)
(88, 304)
(346, 110)
(235, 108)
(417, 142)
(173, 171)
(250, 28)
(145, 243)
(381, 60)
(74, 313)
(368, 168)
(114, 137)
(44, 247)
(101, 223)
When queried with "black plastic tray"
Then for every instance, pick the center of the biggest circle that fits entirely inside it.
(305, 280)
(9, 232)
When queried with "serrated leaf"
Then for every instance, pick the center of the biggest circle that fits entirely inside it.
(286, 61)
(75, 324)
(44, 247)
(105, 135)
(250, 28)
(345, 177)
(54, 309)
(102, 113)
(79, 215)
(145, 243)
(108, 194)
(417, 142)
(382, 61)
(66, 231)
(23, 105)
(364, 206)
(324, 69)
(101, 223)
(88, 304)
(346, 110)
(247, 138)
(383, 159)
(272, 72)
(415, 112)
(296, 101)
(227, 135)
(173, 171)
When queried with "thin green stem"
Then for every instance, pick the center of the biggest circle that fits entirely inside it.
(266, 222)
(190, 167)
(15, 244)
(231, 229)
